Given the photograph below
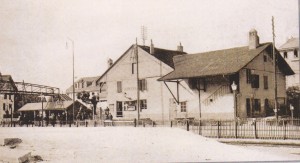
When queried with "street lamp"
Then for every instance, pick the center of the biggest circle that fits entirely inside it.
(42, 99)
(292, 113)
(234, 88)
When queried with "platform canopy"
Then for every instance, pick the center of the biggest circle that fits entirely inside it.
(62, 105)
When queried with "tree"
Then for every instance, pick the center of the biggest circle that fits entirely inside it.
(293, 98)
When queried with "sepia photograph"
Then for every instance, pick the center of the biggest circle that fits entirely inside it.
(149, 81)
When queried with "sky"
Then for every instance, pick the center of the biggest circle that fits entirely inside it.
(35, 36)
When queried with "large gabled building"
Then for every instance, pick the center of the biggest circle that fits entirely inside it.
(204, 82)
(119, 84)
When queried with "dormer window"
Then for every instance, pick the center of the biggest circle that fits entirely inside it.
(295, 53)
(285, 55)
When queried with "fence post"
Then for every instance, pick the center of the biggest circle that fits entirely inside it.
(94, 123)
(255, 129)
(284, 127)
(70, 123)
(218, 129)
(134, 122)
(86, 123)
(187, 126)
(200, 128)
(171, 123)
(236, 125)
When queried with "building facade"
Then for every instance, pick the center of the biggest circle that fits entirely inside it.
(204, 82)
(290, 52)
(134, 76)
(85, 84)
(7, 97)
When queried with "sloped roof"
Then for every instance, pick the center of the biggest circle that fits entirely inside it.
(89, 88)
(47, 106)
(221, 62)
(164, 55)
(292, 43)
(7, 83)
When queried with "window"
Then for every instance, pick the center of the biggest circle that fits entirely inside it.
(5, 96)
(10, 106)
(3, 106)
(183, 106)
(285, 55)
(265, 58)
(266, 86)
(248, 76)
(248, 107)
(255, 81)
(143, 104)
(103, 87)
(133, 65)
(142, 85)
(256, 105)
(119, 86)
(295, 53)
(89, 83)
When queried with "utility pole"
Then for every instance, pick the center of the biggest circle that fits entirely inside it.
(73, 78)
(275, 71)
(137, 80)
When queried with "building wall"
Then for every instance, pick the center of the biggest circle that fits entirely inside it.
(292, 80)
(6, 102)
(156, 95)
(261, 68)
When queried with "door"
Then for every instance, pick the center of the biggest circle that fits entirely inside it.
(119, 109)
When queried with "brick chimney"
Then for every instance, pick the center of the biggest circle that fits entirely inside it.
(180, 47)
(151, 48)
(109, 62)
(253, 39)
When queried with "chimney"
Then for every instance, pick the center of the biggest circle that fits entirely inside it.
(109, 62)
(180, 47)
(253, 39)
(151, 48)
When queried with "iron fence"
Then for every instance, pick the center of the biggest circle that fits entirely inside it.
(244, 129)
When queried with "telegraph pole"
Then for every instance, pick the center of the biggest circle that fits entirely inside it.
(73, 78)
(275, 71)
(137, 80)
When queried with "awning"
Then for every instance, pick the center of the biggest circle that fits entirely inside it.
(59, 105)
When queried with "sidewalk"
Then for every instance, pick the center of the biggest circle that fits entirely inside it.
(260, 141)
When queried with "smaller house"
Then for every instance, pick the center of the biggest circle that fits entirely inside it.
(205, 82)
(290, 52)
(7, 97)
(87, 84)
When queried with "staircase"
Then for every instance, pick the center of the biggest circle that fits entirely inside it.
(221, 91)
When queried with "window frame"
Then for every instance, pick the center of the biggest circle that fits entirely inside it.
(255, 81)
(142, 84)
(143, 104)
(266, 82)
(183, 106)
(119, 86)
(296, 53)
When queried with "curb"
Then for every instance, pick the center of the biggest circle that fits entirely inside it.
(260, 141)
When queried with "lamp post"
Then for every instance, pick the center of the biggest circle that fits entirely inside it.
(292, 113)
(42, 99)
(234, 88)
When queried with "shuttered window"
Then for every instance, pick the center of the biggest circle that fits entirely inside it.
(119, 86)
(143, 85)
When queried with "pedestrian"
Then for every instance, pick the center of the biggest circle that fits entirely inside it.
(110, 117)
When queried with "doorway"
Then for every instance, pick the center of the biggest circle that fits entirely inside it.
(119, 109)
